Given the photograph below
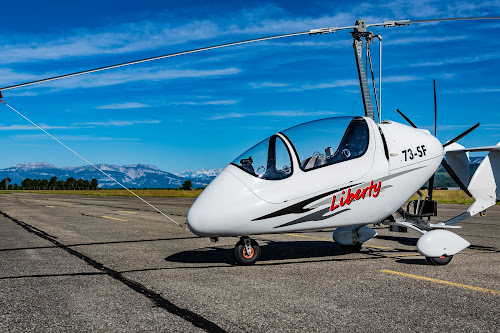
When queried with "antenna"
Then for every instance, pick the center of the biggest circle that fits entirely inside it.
(435, 110)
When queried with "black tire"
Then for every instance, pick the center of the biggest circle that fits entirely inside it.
(351, 247)
(241, 256)
(439, 261)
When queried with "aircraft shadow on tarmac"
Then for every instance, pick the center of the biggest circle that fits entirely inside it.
(279, 251)
(401, 240)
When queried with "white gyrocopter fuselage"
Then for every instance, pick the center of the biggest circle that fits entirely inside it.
(334, 172)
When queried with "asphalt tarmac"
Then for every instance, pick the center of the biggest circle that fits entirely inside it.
(112, 264)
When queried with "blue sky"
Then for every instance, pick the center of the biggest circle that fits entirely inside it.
(202, 110)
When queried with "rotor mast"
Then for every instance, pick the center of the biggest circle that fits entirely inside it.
(360, 32)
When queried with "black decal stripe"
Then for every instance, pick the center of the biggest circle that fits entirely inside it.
(298, 208)
(316, 216)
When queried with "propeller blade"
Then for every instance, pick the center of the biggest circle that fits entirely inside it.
(455, 177)
(461, 135)
(431, 187)
(407, 119)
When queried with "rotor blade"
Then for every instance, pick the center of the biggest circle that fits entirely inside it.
(407, 119)
(431, 187)
(455, 177)
(407, 22)
(311, 32)
(461, 135)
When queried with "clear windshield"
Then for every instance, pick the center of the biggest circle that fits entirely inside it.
(268, 159)
(328, 141)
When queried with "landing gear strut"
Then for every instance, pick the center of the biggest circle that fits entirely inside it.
(246, 251)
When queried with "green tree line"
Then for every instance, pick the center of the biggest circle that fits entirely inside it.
(51, 184)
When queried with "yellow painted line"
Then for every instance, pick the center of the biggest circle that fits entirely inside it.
(113, 218)
(127, 212)
(329, 240)
(449, 283)
(379, 247)
(469, 252)
(304, 236)
(404, 255)
(67, 204)
(50, 206)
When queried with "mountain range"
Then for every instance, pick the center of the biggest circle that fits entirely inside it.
(133, 176)
(147, 176)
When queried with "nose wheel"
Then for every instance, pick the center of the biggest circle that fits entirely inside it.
(439, 261)
(246, 251)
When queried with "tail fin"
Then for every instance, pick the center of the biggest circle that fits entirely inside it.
(458, 159)
(485, 183)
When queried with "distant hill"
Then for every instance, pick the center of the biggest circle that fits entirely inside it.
(134, 176)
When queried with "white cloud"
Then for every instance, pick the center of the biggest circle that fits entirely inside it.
(353, 83)
(326, 85)
(127, 75)
(416, 40)
(472, 91)
(459, 60)
(289, 113)
(121, 39)
(109, 123)
(259, 85)
(215, 102)
(140, 74)
(116, 123)
(126, 105)
(37, 137)
(32, 128)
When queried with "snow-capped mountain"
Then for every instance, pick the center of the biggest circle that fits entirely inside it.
(199, 174)
(135, 176)
(31, 166)
(476, 160)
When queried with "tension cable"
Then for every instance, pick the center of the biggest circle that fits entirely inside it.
(90, 163)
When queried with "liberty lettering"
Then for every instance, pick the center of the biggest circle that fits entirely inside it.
(372, 190)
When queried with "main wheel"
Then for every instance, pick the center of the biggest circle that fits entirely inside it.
(443, 260)
(243, 257)
(351, 247)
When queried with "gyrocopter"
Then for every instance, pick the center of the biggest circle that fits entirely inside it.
(343, 172)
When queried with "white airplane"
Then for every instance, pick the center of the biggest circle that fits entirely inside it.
(343, 173)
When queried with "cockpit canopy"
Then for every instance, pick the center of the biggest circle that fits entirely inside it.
(316, 144)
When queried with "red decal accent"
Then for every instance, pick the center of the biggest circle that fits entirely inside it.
(357, 196)
(350, 197)
(372, 190)
(332, 207)
(376, 190)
